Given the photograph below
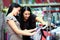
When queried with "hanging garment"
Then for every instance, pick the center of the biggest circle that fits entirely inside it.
(37, 36)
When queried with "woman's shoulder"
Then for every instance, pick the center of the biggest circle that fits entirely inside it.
(33, 16)
(10, 17)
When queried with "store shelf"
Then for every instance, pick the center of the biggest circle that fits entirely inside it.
(53, 11)
(43, 4)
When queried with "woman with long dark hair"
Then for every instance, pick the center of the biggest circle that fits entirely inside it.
(13, 27)
(28, 20)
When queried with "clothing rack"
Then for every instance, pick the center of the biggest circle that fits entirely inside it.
(49, 19)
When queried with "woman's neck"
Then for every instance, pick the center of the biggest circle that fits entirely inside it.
(12, 14)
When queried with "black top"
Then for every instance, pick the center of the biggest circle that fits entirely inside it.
(29, 24)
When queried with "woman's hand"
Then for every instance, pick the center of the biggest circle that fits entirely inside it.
(31, 30)
(33, 33)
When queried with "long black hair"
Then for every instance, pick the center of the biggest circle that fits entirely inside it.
(23, 10)
(29, 19)
(12, 6)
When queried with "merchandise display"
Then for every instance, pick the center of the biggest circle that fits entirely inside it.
(48, 11)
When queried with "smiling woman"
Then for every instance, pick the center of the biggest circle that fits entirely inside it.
(28, 21)
(13, 11)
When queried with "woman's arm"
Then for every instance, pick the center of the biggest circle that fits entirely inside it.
(18, 31)
(41, 20)
(30, 30)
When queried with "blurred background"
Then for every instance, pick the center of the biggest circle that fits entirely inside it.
(41, 8)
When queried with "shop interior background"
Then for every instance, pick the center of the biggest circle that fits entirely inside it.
(40, 8)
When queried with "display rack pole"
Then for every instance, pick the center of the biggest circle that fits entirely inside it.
(49, 19)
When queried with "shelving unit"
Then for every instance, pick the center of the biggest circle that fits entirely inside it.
(41, 4)
(52, 11)
(23, 3)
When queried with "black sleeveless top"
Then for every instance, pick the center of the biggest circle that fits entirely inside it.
(30, 24)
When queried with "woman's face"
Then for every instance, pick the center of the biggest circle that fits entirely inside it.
(26, 15)
(16, 10)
